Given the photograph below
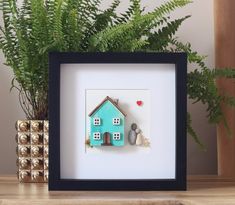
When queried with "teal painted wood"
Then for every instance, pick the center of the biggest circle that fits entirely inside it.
(106, 112)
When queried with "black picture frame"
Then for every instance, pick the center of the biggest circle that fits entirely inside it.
(56, 59)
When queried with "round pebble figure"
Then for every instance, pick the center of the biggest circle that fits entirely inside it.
(139, 139)
(137, 131)
(132, 134)
(133, 126)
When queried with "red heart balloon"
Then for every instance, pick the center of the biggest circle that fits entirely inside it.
(139, 102)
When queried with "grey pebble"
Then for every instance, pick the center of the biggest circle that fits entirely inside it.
(133, 126)
(132, 137)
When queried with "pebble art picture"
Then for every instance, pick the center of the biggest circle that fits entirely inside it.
(107, 126)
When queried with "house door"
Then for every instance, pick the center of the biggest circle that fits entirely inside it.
(107, 139)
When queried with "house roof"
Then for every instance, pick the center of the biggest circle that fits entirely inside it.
(110, 100)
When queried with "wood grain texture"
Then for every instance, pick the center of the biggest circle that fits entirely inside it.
(202, 190)
(225, 57)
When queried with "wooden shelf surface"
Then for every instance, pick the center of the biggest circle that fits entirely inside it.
(207, 190)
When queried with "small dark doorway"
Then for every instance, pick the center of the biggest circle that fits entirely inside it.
(107, 139)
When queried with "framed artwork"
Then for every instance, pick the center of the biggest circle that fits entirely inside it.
(117, 121)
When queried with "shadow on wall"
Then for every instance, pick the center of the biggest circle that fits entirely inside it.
(199, 161)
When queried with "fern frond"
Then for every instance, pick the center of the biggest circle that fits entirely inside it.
(136, 9)
(113, 6)
(73, 32)
(136, 45)
(9, 39)
(201, 86)
(135, 28)
(225, 73)
(126, 16)
(104, 19)
(160, 39)
(193, 134)
(57, 32)
(193, 56)
(87, 14)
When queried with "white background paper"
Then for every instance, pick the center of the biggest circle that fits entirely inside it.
(158, 162)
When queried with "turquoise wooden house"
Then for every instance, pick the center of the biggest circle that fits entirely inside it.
(107, 123)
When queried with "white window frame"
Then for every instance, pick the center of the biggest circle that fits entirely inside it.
(96, 121)
(116, 136)
(96, 136)
(114, 121)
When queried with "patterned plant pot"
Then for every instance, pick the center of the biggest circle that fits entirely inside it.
(32, 150)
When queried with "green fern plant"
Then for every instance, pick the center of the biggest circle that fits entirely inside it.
(36, 27)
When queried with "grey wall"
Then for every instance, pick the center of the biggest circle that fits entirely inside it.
(199, 30)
